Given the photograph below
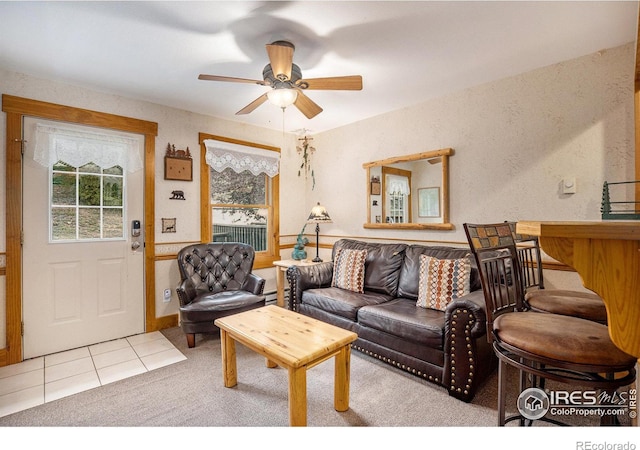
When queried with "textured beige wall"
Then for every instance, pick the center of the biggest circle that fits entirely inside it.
(515, 140)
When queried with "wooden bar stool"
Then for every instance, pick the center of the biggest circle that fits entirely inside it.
(585, 305)
(566, 349)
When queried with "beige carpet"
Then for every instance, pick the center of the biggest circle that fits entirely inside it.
(191, 393)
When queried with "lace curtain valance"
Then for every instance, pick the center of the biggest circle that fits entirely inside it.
(397, 185)
(221, 155)
(77, 148)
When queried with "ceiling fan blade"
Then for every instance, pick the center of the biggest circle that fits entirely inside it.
(307, 106)
(281, 59)
(230, 79)
(348, 83)
(253, 105)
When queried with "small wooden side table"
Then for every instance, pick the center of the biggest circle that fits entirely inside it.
(281, 268)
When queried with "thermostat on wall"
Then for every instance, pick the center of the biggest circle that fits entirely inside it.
(569, 186)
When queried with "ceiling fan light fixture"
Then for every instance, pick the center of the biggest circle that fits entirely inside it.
(282, 97)
(286, 82)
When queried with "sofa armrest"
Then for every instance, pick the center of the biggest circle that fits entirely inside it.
(465, 324)
(475, 303)
(186, 292)
(254, 284)
(301, 278)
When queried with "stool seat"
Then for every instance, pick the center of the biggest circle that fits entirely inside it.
(584, 305)
(577, 343)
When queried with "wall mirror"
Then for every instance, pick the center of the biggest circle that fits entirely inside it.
(409, 192)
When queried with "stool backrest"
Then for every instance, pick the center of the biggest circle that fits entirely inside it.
(530, 258)
(495, 252)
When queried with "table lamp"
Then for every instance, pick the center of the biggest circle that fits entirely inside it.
(318, 215)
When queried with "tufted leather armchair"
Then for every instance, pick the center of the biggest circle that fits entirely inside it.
(216, 282)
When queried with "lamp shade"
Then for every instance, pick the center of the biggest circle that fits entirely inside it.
(319, 215)
(282, 97)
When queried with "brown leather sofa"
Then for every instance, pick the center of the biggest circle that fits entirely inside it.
(448, 347)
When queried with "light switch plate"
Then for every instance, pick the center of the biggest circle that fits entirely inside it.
(569, 186)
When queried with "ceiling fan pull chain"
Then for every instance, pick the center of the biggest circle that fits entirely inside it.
(283, 141)
(283, 108)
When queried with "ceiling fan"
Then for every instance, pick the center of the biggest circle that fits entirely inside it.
(285, 79)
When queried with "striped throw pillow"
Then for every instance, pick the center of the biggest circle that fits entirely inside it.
(348, 269)
(442, 280)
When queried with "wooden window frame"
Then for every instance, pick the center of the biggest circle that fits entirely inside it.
(263, 259)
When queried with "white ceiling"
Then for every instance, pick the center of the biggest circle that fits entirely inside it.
(406, 51)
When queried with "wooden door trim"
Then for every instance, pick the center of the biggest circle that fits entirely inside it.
(16, 108)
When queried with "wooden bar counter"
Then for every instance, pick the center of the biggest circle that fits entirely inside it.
(606, 255)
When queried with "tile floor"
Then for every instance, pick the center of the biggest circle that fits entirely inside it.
(47, 378)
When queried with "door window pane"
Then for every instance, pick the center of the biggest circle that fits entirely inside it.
(61, 166)
(90, 168)
(63, 223)
(87, 203)
(89, 190)
(112, 222)
(112, 191)
(115, 170)
(89, 223)
(63, 189)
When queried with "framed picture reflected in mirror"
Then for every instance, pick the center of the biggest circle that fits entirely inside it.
(429, 202)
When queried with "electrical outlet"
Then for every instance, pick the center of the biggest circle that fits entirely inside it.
(167, 295)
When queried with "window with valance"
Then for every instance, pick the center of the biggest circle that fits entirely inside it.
(397, 199)
(243, 193)
(87, 181)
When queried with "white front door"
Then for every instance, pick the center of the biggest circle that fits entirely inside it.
(83, 280)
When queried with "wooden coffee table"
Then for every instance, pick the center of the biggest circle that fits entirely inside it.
(292, 341)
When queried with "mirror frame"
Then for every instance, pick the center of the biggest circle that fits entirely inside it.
(435, 156)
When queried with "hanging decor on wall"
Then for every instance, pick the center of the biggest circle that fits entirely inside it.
(375, 186)
(169, 225)
(177, 195)
(178, 164)
(306, 150)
